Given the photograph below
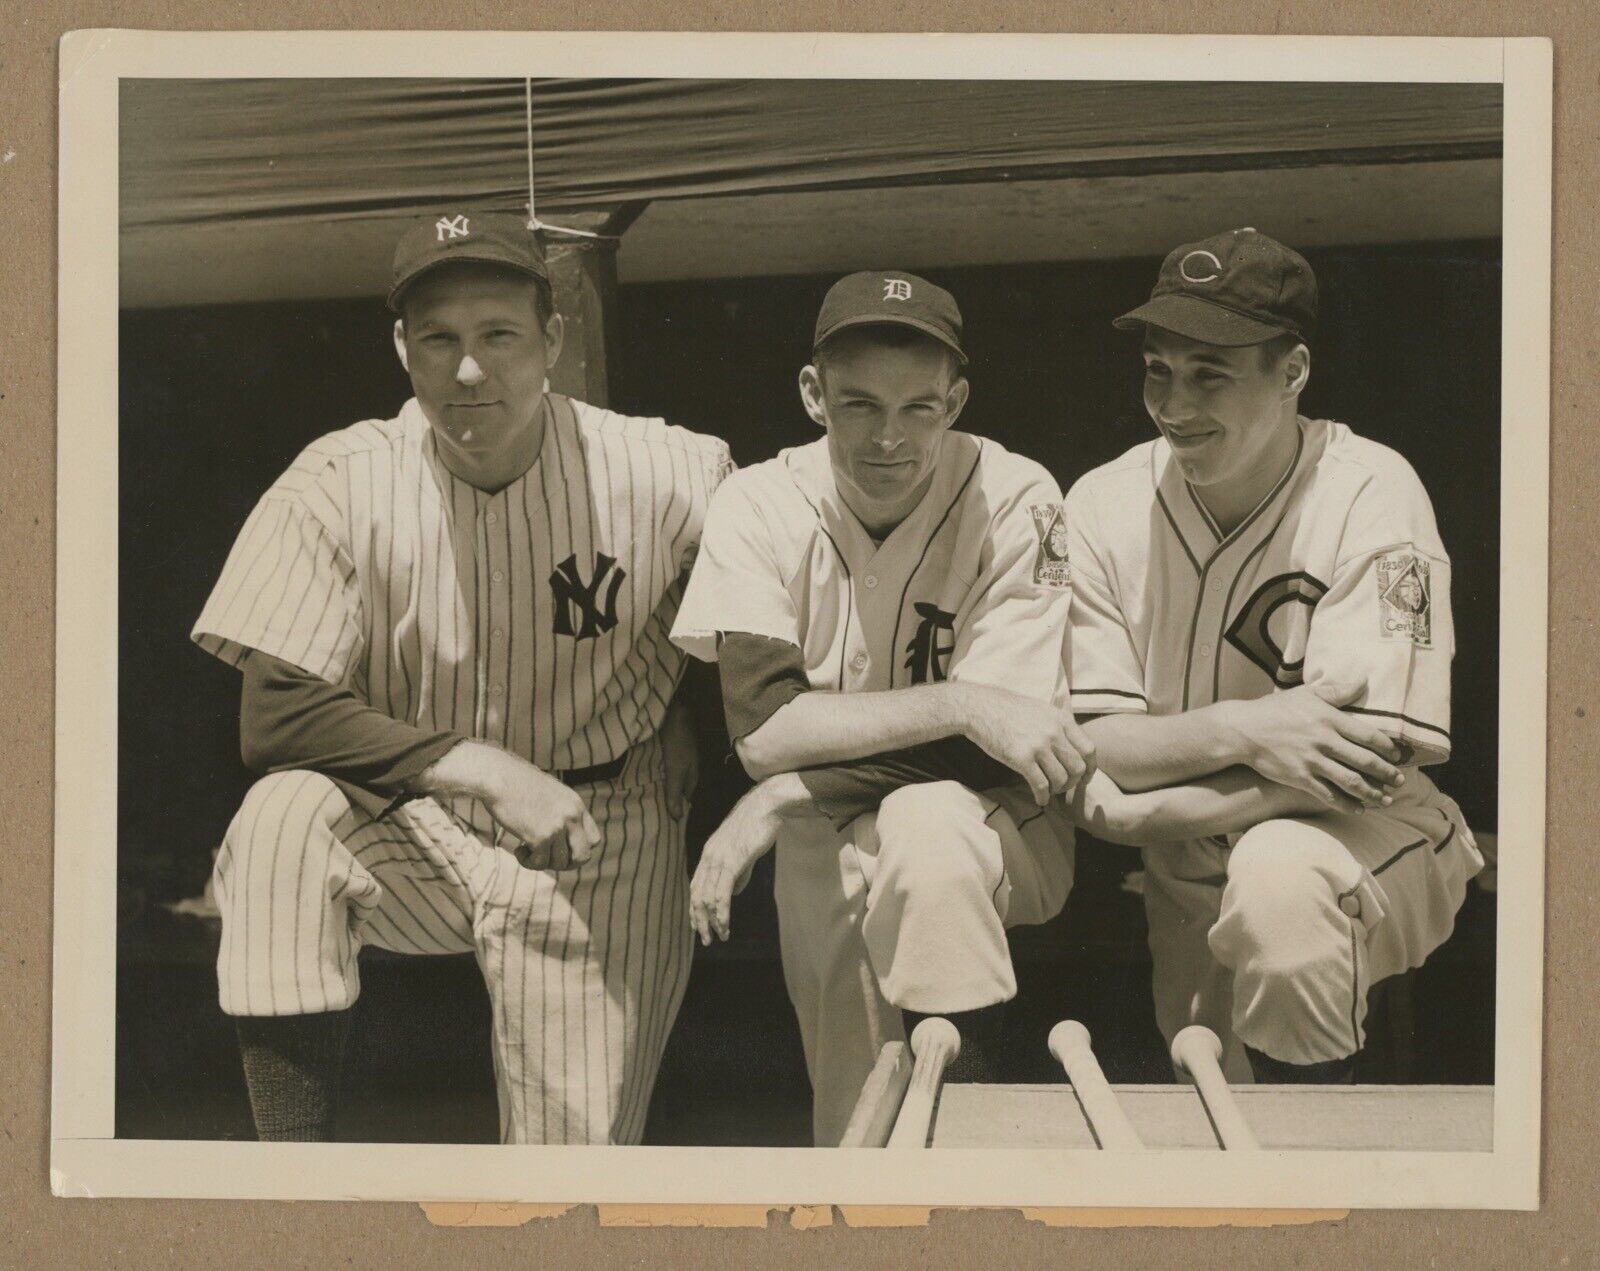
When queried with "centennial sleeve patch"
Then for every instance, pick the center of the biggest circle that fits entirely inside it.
(1405, 598)
(1050, 568)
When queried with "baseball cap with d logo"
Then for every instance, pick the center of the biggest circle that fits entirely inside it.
(879, 297)
(493, 238)
(1231, 289)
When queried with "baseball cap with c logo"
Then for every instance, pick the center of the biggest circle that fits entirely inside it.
(1232, 289)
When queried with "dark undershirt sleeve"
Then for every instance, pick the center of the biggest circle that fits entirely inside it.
(761, 675)
(844, 791)
(290, 718)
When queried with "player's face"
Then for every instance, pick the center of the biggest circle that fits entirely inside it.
(1224, 412)
(477, 354)
(886, 410)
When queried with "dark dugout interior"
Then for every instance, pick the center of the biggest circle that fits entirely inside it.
(216, 401)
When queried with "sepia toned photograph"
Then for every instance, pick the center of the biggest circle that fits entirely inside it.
(824, 609)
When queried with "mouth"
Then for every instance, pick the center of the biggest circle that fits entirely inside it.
(471, 405)
(1190, 440)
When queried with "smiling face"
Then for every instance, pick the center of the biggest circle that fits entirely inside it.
(477, 349)
(1227, 413)
(885, 395)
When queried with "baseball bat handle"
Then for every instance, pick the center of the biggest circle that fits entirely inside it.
(1070, 1044)
(1198, 1052)
(934, 1043)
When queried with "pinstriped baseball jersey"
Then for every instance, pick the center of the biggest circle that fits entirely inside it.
(972, 585)
(368, 563)
(1338, 574)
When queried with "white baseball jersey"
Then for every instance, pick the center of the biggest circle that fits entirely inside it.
(971, 586)
(1338, 573)
(535, 618)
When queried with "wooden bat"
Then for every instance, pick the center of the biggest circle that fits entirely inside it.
(935, 1042)
(1069, 1043)
(1198, 1055)
(880, 1099)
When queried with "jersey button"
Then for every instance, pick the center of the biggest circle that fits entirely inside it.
(1350, 905)
(497, 689)
(1205, 650)
(497, 634)
(1216, 584)
(491, 517)
(498, 576)
(871, 580)
(859, 661)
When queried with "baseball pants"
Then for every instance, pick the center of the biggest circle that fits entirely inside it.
(585, 967)
(907, 907)
(1275, 942)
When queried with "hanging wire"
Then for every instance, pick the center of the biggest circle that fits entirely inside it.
(534, 223)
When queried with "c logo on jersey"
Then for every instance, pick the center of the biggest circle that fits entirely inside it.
(580, 611)
(1251, 631)
(926, 658)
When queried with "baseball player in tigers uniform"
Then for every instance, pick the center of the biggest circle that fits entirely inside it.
(454, 631)
(1262, 606)
(888, 607)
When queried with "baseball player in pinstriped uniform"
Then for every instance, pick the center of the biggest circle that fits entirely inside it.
(1261, 612)
(453, 627)
(888, 608)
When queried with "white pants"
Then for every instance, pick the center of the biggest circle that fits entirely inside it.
(1275, 942)
(585, 967)
(907, 907)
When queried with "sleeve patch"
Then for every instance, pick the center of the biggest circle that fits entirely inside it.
(1405, 598)
(1050, 568)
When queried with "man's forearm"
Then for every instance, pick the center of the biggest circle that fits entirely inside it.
(1148, 752)
(1226, 803)
(819, 728)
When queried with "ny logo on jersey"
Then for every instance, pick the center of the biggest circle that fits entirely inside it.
(450, 227)
(580, 611)
(896, 289)
(926, 658)
(1251, 631)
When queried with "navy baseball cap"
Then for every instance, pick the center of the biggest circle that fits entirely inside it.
(876, 297)
(1231, 289)
(494, 238)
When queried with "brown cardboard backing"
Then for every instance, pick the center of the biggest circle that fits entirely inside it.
(45, 1231)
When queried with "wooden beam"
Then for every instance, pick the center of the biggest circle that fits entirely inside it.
(583, 278)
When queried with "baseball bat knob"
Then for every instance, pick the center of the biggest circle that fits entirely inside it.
(935, 1031)
(1068, 1038)
(1195, 1040)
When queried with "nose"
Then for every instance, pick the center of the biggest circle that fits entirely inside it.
(1171, 404)
(469, 374)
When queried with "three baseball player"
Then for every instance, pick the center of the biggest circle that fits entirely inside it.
(1230, 647)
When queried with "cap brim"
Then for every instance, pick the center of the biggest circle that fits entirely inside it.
(455, 258)
(880, 320)
(1199, 320)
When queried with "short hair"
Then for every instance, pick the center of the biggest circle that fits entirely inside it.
(543, 298)
(1277, 348)
(887, 335)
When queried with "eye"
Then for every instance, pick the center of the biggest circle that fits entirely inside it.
(1156, 369)
(437, 339)
(1207, 376)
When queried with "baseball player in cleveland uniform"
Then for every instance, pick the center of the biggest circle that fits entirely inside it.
(453, 626)
(1261, 622)
(888, 607)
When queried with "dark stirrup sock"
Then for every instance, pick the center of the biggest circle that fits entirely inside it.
(979, 1059)
(292, 1066)
(1331, 1072)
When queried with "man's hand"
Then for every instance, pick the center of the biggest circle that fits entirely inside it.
(1301, 739)
(732, 851)
(1039, 742)
(680, 757)
(550, 819)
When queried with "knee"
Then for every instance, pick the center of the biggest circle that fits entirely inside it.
(931, 837)
(284, 806)
(1280, 909)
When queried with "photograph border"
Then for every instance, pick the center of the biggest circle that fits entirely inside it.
(87, 1160)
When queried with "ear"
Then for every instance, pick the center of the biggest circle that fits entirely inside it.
(400, 343)
(956, 399)
(811, 395)
(555, 332)
(1296, 370)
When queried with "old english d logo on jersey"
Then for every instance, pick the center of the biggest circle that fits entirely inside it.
(1251, 629)
(927, 658)
(580, 610)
